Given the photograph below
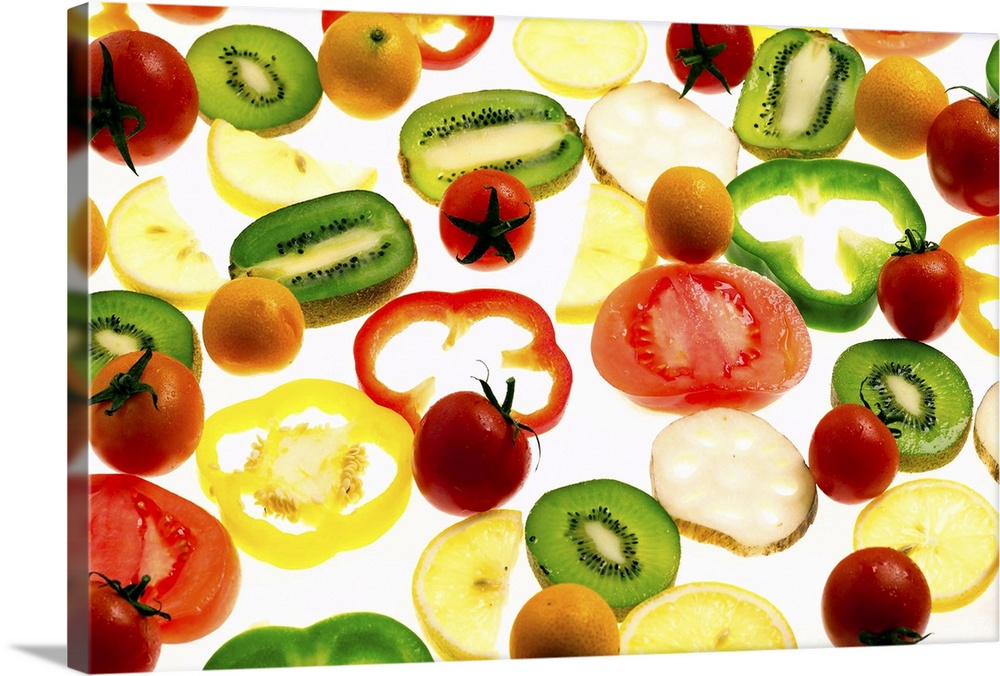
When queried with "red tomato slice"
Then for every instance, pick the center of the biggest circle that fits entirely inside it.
(879, 44)
(138, 528)
(683, 338)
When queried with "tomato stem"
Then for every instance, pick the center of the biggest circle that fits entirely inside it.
(491, 232)
(880, 412)
(110, 113)
(913, 243)
(899, 636)
(132, 593)
(505, 410)
(699, 57)
(992, 105)
(124, 386)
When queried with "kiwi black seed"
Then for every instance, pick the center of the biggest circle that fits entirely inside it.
(921, 393)
(127, 321)
(256, 78)
(342, 255)
(520, 132)
(781, 112)
(605, 534)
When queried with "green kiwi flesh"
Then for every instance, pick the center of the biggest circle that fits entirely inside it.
(256, 78)
(798, 98)
(520, 132)
(921, 392)
(342, 255)
(127, 321)
(607, 535)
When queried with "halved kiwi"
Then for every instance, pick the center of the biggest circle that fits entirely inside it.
(256, 78)
(342, 255)
(605, 534)
(520, 132)
(922, 394)
(127, 321)
(798, 98)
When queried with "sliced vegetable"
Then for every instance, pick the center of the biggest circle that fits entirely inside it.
(348, 638)
(299, 498)
(812, 183)
(458, 311)
(431, 31)
(979, 288)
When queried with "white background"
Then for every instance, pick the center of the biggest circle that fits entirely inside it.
(33, 612)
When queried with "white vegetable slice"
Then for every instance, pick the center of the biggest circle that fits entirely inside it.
(636, 132)
(985, 429)
(728, 478)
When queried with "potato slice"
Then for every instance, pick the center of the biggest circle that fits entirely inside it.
(730, 479)
(985, 429)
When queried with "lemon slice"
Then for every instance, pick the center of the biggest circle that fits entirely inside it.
(580, 58)
(460, 585)
(947, 528)
(154, 251)
(613, 247)
(258, 175)
(704, 617)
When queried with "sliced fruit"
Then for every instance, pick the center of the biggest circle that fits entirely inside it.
(730, 479)
(526, 134)
(631, 136)
(798, 99)
(342, 255)
(919, 390)
(705, 617)
(604, 534)
(460, 585)
(985, 429)
(153, 250)
(613, 246)
(258, 175)
(580, 58)
(947, 528)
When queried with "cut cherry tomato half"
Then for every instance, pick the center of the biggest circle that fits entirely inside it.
(682, 338)
(138, 528)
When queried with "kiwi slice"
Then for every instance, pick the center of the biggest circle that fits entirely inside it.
(342, 255)
(127, 321)
(921, 393)
(798, 98)
(607, 535)
(520, 132)
(256, 78)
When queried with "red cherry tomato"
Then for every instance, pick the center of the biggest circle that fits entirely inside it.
(137, 528)
(876, 596)
(682, 338)
(879, 44)
(151, 80)
(122, 634)
(709, 58)
(189, 14)
(429, 29)
(131, 431)
(920, 289)
(962, 154)
(852, 454)
(468, 454)
(487, 219)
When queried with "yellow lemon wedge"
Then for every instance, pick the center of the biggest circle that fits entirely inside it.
(613, 247)
(460, 585)
(704, 617)
(947, 528)
(257, 175)
(582, 58)
(154, 251)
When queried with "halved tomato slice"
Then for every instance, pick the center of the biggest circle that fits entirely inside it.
(138, 528)
(682, 338)
(878, 44)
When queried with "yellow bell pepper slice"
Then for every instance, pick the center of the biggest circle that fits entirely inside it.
(299, 496)
(963, 242)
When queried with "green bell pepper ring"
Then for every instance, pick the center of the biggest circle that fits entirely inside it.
(349, 638)
(812, 183)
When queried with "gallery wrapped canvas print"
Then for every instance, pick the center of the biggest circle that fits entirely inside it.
(419, 338)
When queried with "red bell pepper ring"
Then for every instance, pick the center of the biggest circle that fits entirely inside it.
(459, 311)
(475, 29)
